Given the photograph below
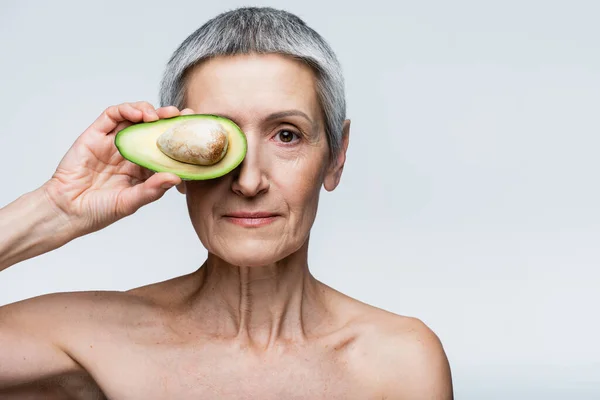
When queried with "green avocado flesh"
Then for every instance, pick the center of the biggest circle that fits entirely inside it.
(137, 143)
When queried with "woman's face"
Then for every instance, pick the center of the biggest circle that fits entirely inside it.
(262, 211)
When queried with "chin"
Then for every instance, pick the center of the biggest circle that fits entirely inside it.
(253, 252)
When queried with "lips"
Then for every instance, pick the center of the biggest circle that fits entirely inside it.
(251, 219)
(250, 214)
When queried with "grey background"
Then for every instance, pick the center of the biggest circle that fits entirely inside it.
(470, 197)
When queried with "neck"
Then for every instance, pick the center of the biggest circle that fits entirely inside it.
(259, 305)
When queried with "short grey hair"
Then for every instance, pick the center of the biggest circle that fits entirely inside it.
(262, 30)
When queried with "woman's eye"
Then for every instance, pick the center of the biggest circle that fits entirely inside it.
(287, 136)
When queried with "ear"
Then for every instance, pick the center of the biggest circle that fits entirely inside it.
(181, 187)
(334, 172)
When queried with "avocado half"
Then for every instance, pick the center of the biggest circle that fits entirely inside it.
(137, 143)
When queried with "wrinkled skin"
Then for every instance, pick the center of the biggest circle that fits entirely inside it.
(252, 322)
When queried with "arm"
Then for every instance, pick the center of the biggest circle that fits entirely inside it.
(29, 226)
(92, 188)
(29, 342)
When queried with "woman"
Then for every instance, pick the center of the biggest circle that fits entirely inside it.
(251, 322)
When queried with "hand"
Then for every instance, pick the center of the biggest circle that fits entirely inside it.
(94, 186)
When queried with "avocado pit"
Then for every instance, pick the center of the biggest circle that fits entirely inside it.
(198, 142)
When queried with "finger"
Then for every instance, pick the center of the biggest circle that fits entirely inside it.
(113, 115)
(167, 112)
(187, 111)
(131, 199)
(148, 110)
(131, 115)
(121, 126)
(137, 171)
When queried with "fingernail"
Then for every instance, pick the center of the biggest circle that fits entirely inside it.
(151, 114)
(167, 185)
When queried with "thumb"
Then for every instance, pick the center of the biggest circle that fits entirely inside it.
(148, 191)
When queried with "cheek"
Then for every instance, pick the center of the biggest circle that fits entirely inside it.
(299, 186)
(201, 198)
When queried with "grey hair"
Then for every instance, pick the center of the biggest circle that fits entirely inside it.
(262, 30)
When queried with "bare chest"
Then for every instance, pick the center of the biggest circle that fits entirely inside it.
(165, 371)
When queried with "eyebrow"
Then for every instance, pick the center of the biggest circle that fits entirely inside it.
(277, 115)
(289, 113)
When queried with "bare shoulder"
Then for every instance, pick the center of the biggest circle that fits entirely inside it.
(61, 307)
(66, 318)
(47, 341)
(70, 316)
(401, 355)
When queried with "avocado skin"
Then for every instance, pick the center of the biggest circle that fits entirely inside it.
(137, 143)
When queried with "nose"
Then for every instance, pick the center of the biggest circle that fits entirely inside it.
(249, 178)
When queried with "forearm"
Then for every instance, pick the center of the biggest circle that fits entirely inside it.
(29, 226)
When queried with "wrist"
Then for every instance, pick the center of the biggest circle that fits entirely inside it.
(30, 226)
(57, 222)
